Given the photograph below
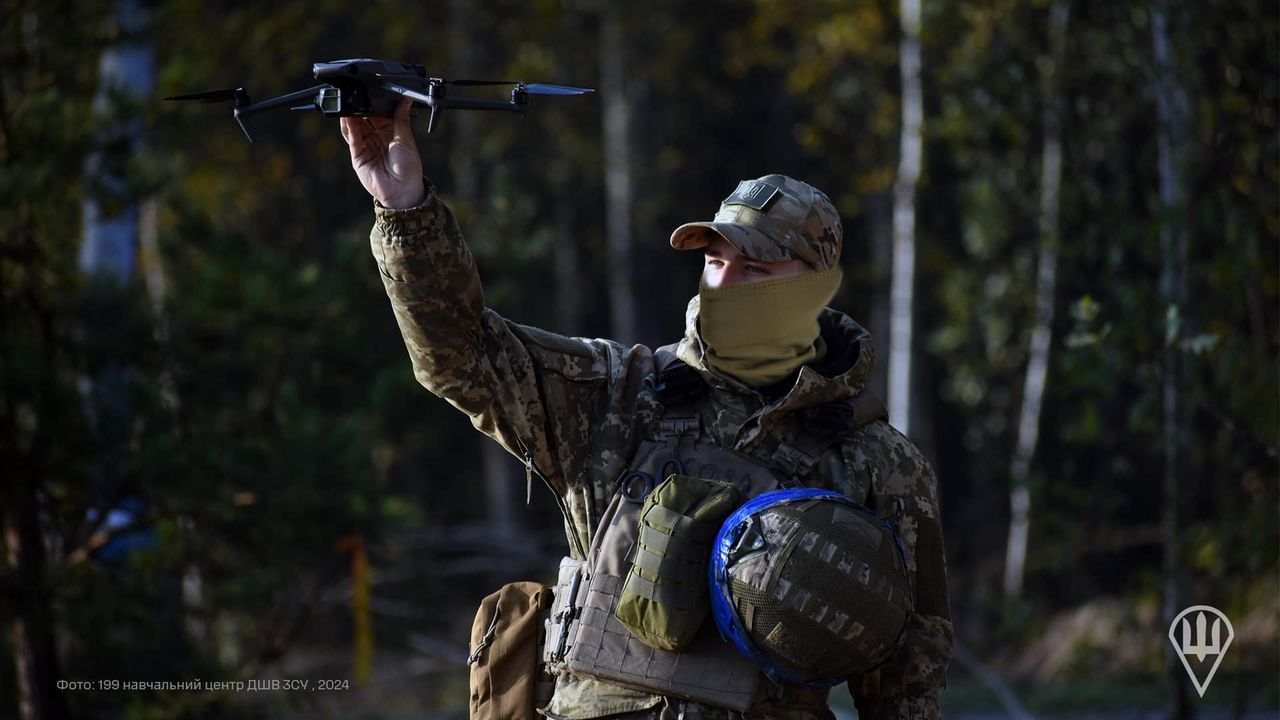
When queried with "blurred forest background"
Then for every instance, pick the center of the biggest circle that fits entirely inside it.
(215, 463)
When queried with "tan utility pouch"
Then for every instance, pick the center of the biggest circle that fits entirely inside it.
(508, 679)
(664, 598)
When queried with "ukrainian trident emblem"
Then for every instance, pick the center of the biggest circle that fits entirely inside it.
(1192, 635)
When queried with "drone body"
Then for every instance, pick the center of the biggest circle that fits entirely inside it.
(366, 87)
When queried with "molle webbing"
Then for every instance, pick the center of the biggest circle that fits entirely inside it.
(664, 599)
(709, 671)
(653, 548)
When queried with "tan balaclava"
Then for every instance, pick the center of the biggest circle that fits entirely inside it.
(761, 332)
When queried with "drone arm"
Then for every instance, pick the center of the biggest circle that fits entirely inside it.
(413, 95)
(437, 103)
(243, 111)
(281, 101)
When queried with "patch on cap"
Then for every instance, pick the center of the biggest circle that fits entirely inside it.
(754, 194)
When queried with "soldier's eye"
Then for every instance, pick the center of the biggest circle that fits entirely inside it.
(757, 269)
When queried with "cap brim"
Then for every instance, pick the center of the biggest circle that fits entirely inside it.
(746, 240)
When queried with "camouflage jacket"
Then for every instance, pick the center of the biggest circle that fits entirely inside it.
(573, 410)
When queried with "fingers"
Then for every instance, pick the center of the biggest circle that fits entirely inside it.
(378, 124)
(350, 132)
(354, 132)
(383, 142)
(403, 128)
(365, 147)
(356, 129)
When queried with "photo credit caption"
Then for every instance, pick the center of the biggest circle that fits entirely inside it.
(255, 685)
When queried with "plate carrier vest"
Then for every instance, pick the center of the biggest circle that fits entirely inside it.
(583, 634)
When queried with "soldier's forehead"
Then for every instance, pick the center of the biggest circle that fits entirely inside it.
(721, 248)
(717, 245)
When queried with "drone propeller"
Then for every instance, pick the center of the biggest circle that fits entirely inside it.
(212, 96)
(530, 88)
(544, 89)
(239, 95)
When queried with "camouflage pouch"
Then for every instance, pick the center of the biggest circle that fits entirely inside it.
(664, 599)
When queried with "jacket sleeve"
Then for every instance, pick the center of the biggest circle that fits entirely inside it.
(908, 685)
(540, 395)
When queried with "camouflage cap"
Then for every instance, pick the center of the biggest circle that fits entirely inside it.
(773, 218)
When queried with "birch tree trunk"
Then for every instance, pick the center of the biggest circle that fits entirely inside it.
(904, 219)
(1042, 335)
(112, 237)
(618, 172)
(1173, 128)
(110, 246)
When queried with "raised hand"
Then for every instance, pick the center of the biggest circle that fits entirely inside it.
(385, 157)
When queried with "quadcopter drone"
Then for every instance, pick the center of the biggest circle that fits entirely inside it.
(365, 87)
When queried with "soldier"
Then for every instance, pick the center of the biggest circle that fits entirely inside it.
(776, 375)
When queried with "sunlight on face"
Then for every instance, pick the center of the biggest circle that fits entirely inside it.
(724, 266)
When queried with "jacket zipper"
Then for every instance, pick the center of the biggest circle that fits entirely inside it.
(529, 471)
